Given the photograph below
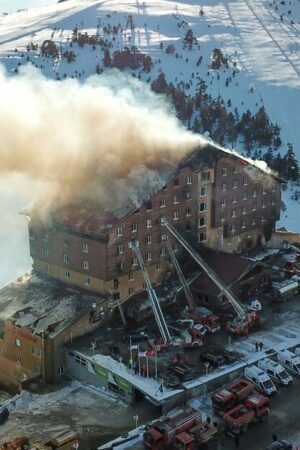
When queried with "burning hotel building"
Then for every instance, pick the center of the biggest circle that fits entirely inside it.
(214, 198)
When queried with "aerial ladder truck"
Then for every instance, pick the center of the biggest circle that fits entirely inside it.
(158, 314)
(209, 320)
(244, 320)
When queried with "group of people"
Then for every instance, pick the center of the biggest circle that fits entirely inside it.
(258, 345)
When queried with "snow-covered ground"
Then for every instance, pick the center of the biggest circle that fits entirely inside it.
(83, 408)
(260, 38)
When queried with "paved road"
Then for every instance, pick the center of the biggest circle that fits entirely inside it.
(283, 420)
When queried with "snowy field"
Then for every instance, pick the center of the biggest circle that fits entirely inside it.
(260, 38)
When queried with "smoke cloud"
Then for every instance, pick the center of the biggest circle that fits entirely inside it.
(103, 140)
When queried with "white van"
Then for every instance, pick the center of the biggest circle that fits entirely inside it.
(290, 361)
(261, 380)
(275, 371)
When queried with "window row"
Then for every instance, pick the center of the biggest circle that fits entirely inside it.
(225, 171)
(254, 205)
(235, 185)
(244, 224)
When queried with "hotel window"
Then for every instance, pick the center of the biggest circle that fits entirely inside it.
(224, 187)
(233, 228)
(130, 276)
(119, 231)
(67, 274)
(202, 207)
(66, 242)
(235, 184)
(149, 256)
(46, 252)
(263, 205)
(254, 207)
(149, 240)
(130, 290)
(86, 265)
(245, 195)
(273, 188)
(189, 180)
(66, 259)
(234, 169)
(175, 199)
(245, 181)
(253, 221)
(223, 216)
(45, 237)
(134, 227)
(273, 201)
(203, 191)
(85, 247)
(202, 222)
(120, 266)
(175, 215)
(176, 182)
(244, 210)
(119, 249)
(87, 281)
(205, 176)
(234, 199)
(162, 251)
(162, 203)
(134, 261)
(233, 213)
(202, 237)
(223, 202)
(149, 223)
(243, 224)
(18, 342)
(255, 193)
(264, 190)
(188, 212)
(263, 219)
(224, 171)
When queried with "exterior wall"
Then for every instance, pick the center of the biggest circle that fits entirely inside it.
(10, 374)
(22, 347)
(52, 246)
(26, 355)
(82, 368)
(246, 203)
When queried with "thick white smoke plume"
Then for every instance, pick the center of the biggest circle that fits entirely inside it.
(103, 140)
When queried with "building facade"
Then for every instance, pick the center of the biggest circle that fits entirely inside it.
(214, 198)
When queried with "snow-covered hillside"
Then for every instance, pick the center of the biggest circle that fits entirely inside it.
(259, 39)
(264, 48)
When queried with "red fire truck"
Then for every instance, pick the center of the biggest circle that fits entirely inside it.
(255, 408)
(162, 434)
(200, 434)
(232, 395)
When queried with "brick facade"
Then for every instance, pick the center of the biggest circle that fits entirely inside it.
(220, 199)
